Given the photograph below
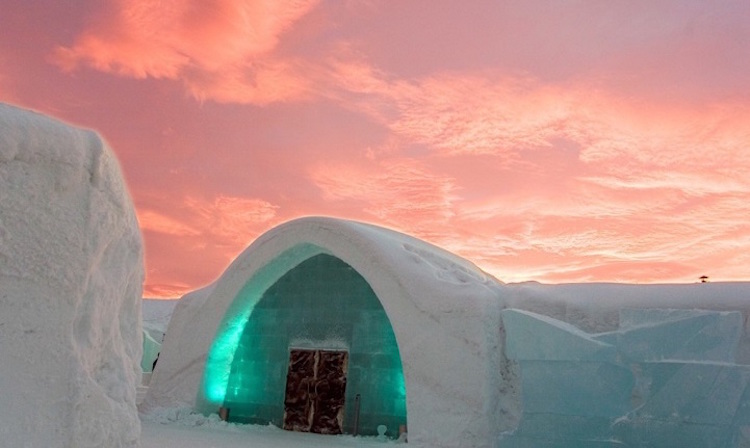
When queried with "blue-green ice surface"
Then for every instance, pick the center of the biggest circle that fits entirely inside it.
(667, 378)
(322, 303)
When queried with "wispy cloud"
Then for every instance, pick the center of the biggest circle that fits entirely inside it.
(475, 115)
(587, 142)
(393, 190)
(231, 220)
(645, 180)
(220, 49)
(494, 114)
(196, 231)
(154, 221)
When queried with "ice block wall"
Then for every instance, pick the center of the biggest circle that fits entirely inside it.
(322, 303)
(664, 378)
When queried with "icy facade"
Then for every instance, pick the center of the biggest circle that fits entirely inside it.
(664, 378)
(321, 303)
(71, 272)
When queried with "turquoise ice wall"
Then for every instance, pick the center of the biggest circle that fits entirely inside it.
(666, 378)
(321, 303)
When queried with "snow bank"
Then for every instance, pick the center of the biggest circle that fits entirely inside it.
(444, 312)
(70, 289)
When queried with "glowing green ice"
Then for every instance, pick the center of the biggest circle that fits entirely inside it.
(321, 303)
(221, 353)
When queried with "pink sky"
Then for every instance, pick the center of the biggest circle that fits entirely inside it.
(543, 140)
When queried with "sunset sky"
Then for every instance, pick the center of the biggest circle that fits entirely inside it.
(558, 141)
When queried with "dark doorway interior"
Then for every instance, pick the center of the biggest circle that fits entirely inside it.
(315, 391)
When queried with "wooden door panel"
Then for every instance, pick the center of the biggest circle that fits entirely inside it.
(315, 391)
(299, 382)
(330, 389)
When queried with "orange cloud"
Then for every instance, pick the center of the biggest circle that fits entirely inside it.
(472, 115)
(395, 190)
(461, 114)
(194, 233)
(233, 220)
(576, 184)
(224, 221)
(154, 221)
(588, 185)
(221, 49)
(166, 291)
(512, 117)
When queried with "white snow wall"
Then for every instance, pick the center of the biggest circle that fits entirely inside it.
(71, 274)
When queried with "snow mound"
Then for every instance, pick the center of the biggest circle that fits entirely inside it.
(70, 288)
(184, 416)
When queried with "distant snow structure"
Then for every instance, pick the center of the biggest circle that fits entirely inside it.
(71, 272)
(156, 315)
(332, 326)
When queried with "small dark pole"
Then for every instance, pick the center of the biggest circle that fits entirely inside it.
(356, 414)
(224, 413)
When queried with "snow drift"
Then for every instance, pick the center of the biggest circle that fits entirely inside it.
(70, 289)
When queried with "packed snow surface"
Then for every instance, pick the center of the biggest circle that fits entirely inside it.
(181, 428)
(71, 272)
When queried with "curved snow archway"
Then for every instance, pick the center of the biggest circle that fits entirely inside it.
(320, 304)
(221, 354)
(444, 311)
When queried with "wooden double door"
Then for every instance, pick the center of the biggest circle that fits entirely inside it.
(315, 391)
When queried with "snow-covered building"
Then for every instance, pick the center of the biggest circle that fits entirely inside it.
(323, 325)
(330, 326)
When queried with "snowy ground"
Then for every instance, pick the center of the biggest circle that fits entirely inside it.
(210, 433)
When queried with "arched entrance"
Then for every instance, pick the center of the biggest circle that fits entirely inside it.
(321, 314)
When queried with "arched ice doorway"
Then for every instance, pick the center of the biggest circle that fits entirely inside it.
(317, 339)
